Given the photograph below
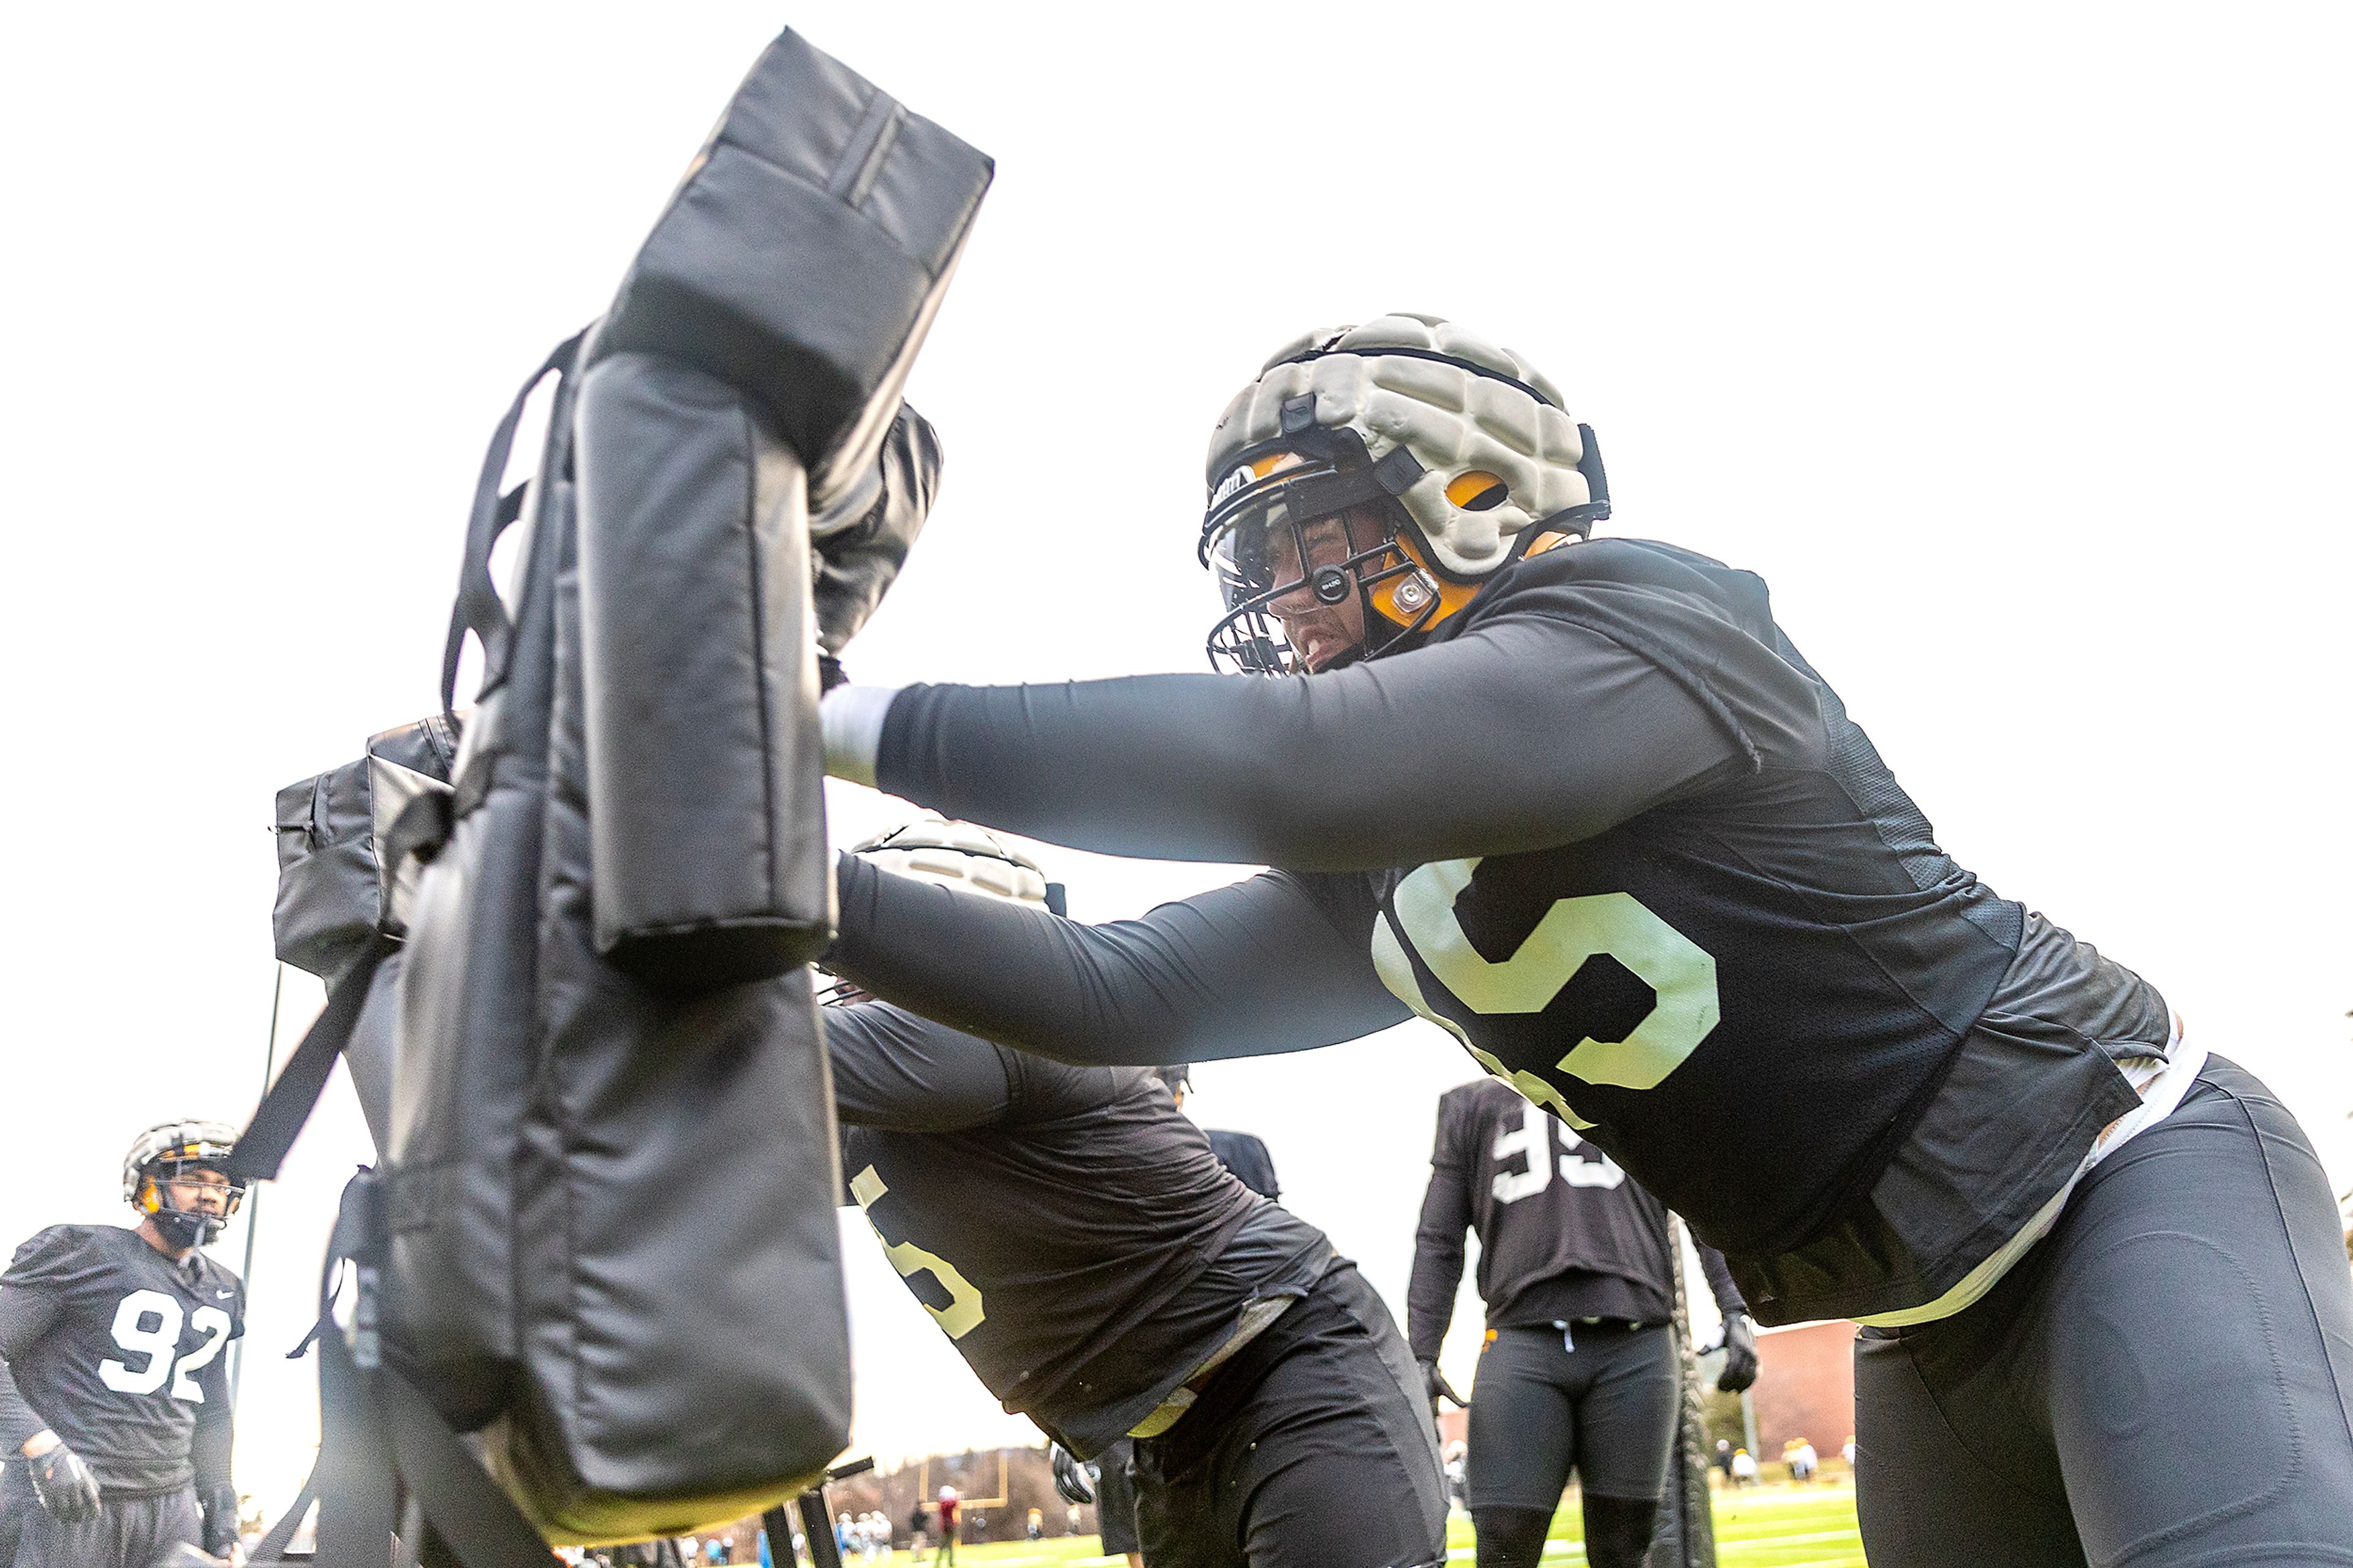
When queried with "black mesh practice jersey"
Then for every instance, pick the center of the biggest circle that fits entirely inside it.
(131, 1357)
(1611, 832)
(1067, 1226)
(1564, 1233)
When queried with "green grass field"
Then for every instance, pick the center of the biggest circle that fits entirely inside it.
(1781, 1526)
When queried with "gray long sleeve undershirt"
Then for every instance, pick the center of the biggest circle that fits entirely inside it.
(1525, 732)
(1248, 970)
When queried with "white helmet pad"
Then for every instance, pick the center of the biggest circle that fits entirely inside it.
(1491, 414)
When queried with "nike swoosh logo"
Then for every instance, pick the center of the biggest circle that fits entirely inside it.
(224, 1295)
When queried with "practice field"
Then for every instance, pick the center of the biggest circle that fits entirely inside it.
(1764, 1527)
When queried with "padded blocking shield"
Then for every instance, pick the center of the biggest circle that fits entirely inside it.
(746, 379)
(700, 647)
(804, 255)
(685, 1333)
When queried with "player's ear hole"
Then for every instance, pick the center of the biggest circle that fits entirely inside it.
(1477, 490)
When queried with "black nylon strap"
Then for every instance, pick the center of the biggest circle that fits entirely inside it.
(467, 1510)
(360, 1488)
(817, 1526)
(271, 1547)
(378, 1435)
(420, 829)
(453, 646)
(277, 1119)
(478, 608)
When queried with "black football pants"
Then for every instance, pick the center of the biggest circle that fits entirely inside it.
(127, 1532)
(1606, 1408)
(1312, 1448)
(2165, 1380)
(1599, 1398)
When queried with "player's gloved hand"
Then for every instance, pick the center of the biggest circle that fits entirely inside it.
(1073, 1480)
(858, 544)
(220, 1521)
(64, 1485)
(1434, 1384)
(1739, 1354)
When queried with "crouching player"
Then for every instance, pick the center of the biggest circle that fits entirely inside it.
(111, 1385)
(1070, 1230)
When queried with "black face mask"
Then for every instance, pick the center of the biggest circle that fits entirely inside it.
(184, 1228)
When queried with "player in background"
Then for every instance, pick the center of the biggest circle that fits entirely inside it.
(1586, 808)
(114, 1393)
(1069, 1228)
(1579, 1369)
(1243, 1153)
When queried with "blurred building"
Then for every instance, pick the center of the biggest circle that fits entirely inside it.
(1805, 1386)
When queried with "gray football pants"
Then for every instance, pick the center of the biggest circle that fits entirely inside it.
(128, 1532)
(2165, 1380)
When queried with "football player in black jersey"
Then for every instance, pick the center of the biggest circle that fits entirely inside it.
(1579, 1369)
(112, 1386)
(1069, 1229)
(1586, 808)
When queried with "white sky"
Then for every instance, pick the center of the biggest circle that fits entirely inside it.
(2009, 343)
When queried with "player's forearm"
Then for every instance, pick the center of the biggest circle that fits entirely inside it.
(208, 1451)
(20, 1424)
(1239, 971)
(1438, 1253)
(1519, 736)
(1728, 1299)
(25, 1317)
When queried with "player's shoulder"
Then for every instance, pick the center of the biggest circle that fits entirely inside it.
(65, 1257)
(1480, 1096)
(1583, 581)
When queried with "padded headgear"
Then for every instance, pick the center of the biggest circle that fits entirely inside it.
(181, 1142)
(157, 1154)
(1433, 404)
(961, 855)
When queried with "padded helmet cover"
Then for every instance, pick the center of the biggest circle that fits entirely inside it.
(1492, 413)
(195, 1143)
(957, 855)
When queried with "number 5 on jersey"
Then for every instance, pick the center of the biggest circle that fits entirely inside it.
(1679, 971)
(964, 1312)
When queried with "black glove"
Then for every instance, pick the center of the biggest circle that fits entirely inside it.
(1073, 1480)
(220, 1520)
(1739, 1354)
(64, 1484)
(856, 558)
(1434, 1384)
